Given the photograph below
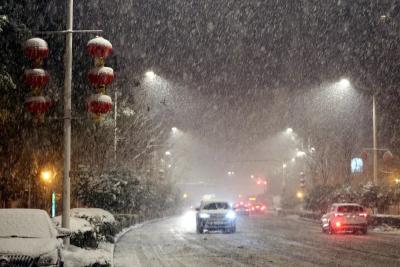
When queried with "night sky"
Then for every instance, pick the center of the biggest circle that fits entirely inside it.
(239, 72)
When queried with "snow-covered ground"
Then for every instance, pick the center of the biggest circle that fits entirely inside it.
(384, 228)
(259, 241)
(79, 257)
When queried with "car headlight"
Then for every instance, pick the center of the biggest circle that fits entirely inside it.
(204, 215)
(48, 259)
(230, 215)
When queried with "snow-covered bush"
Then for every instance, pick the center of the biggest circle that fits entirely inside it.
(127, 193)
(319, 198)
(103, 222)
(368, 195)
(83, 233)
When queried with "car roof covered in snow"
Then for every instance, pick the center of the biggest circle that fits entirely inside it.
(346, 204)
(33, 223)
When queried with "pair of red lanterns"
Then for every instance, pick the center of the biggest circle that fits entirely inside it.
(387, 156)
(98, 104)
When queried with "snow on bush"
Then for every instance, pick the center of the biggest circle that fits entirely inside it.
(83, 233)
(102, 221)
(76, 224)
(79, 257)
(93, 215)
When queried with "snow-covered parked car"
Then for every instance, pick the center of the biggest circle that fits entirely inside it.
(215, 215)
(29, 238)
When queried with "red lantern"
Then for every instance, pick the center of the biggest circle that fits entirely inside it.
(364, 155)
(99, 104)
(36, 77)
(37, 105)
(101, 76)
(99, 47)
(387, 156)
(36, 48)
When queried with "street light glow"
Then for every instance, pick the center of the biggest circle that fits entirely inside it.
(46, 176)
(300, 154)
(174, 130)
(289, 131)
(150, 74)
(284, 165)
(344, 84)
(300, 195)
(167, 153)
(293, 159)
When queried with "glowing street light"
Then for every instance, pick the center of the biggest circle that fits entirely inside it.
(174, 130)
(230, 173)
(46, 176)
(284, 165)
(168, 153)
(150, 74)
(293, 160)
(289, 131)
(300, 154)
(344, 84)
(300, 195)
(252, 176)
(185, 195)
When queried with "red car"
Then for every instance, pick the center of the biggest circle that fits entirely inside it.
(258, 208)
(242, 208)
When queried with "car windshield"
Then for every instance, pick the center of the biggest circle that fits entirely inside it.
(216, 206)
(24, 225)
(350, 209)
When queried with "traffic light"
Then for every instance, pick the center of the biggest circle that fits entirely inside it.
(302, 180)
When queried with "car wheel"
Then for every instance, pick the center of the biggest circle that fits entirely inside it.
(364, 231)
(330, 229)
(233, 229)
(199, 229)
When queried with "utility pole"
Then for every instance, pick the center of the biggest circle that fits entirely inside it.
(66, 197)
(115, 125)
(375, 142)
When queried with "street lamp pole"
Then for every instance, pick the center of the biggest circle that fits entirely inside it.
(67, 120)
(284, 166)
(115, 126)
(375, 142)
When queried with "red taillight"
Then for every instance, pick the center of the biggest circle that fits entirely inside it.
(364, 214)
(338, 224)
(339, 214)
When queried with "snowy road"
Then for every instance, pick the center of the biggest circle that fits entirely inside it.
(260, 241)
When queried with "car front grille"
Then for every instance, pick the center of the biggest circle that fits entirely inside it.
(217, 216)
(16, 261)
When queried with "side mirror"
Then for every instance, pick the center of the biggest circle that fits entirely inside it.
(63, 232)
(197, 209)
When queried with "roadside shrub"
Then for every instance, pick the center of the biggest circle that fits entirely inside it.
(84, 239)
(319, 198)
